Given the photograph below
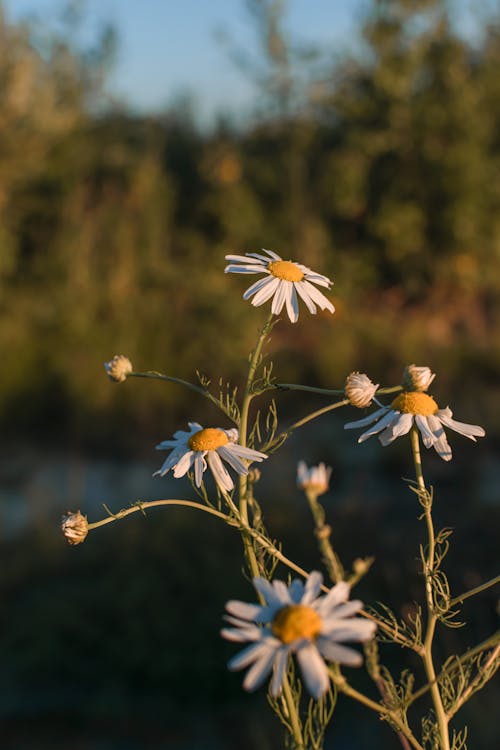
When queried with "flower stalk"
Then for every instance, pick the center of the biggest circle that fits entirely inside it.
(429, 562)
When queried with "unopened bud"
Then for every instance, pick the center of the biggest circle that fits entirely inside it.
(362, 565)
(417, 378)
(359, 389)
(118, 368)
(253, 475)
(75, 527)
(316, 479)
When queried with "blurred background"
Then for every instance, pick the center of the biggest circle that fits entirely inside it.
(139, 143)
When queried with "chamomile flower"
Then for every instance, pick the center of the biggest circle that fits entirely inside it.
(415, 407)
(283, 280)
(315, 479)
(295, 620)
(207, 446)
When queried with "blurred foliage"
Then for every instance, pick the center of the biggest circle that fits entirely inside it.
(380, 170)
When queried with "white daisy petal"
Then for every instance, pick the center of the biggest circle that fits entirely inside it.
(266, 589)
(470, 431)
(317, 297)
(249, 453)
(272, 255)
(256, 287)
(425, 430)
(339, 654)
(296, 591)
(250, 654)
(232, 459)
(243, 609)
(241, 634)
(245, 269)
(306, 298)
(199, 467)
(317, 278)
(266, 292)
(312, 587)
(246, 259)
(219, 472)
(337, 595)
(282, 592)
(350, 629)
(184, 464)
(279, 298)
(292, 305)
(313, 670)
(367, 420)
(441, 444)
(379, 426)
(400, 426)
(279, 668)
(260, 670)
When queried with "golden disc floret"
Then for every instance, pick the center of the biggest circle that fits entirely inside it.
(415, 402)
(296, 621)
(208, 439)
(286, 270)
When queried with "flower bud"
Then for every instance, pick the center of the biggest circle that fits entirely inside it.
(315, 479)
(118, 368)
(417, 378)
(75, 527)
(359, 389)
(362, 565)
(254, 475)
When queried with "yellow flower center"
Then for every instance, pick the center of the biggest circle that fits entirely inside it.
(208, 439)
(286, 270)
(296, 621)
(415, 402)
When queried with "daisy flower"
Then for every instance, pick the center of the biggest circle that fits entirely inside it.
(295, 619)
(315, 479)
(415, 407)
(201, 446)
(283, 280)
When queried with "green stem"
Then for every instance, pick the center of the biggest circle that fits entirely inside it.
(442, 720)
(328, 391)
(243, 429)
(323, 531)
(140, 506)
(192, 387)
(286, 433)
(473, 592)
(293, 715)
(379, 708)
(489, 642)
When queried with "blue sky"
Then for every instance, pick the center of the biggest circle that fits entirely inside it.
(167, 47)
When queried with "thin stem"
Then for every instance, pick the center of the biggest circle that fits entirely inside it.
(477, 681)
(327, 391)
(179, 381)
(140, 506)
(243, 428)
(379, 708)
(492, 640)
(441, 717)
(323, 532)
(477, 590)
(286, 433)
(293, 714)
